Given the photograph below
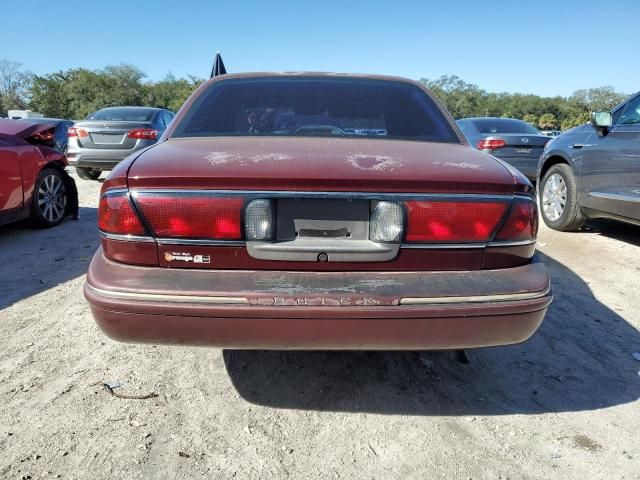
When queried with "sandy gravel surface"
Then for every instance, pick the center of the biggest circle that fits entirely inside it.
(562, 405)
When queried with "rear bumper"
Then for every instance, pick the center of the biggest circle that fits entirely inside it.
(310, 310)
(102, 159)
(528, 166)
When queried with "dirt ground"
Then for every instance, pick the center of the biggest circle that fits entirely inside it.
(562, 405)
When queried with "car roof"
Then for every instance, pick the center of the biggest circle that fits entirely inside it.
(491, 118)
(125, 107)
(328, 75)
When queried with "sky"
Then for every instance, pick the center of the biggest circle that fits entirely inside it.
(546, 47)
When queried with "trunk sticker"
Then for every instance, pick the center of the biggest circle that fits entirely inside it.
(186, 257)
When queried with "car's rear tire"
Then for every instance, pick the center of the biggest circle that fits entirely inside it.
(88, 173)
(49, 201)
(559, 199)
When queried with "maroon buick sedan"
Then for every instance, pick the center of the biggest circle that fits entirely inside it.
(316, 211)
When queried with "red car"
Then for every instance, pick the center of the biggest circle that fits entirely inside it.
(317, 211)
(33, 182)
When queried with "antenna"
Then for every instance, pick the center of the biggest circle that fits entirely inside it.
(218, 66)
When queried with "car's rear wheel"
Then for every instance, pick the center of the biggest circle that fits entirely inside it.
(88, 173)
(559, 199)
(49, 202)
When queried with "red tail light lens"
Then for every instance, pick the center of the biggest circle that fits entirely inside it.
(488, 144)
(522, 222)
(116, 215)
(77, 132)
(430, 221)
(143, 133)
(42, 138)
(216, 218)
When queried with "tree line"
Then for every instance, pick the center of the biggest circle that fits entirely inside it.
(75, 93)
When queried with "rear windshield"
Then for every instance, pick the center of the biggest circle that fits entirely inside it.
(123, 114)
(504, 125)
(311, 106)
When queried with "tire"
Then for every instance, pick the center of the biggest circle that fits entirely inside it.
(559, 199)
(49, 202)
(88, 173)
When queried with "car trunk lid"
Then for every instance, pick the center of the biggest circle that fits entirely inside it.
(319, 164)
(108, 134)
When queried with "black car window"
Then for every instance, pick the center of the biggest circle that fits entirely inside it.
(316, 106)
(131, 114)
(630, 113)
(166, 118)
(504, 125)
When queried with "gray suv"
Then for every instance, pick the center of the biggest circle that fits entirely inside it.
(593, 171)
(109, 135)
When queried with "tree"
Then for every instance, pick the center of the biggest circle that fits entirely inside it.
(14, 85)
(460, 98)
(548, 121)
(531, 118)
(596, 99)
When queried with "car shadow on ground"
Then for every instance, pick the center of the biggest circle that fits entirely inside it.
(623, 232)
(34, 260)
(580, 359)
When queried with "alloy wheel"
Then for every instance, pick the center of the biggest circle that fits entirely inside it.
(554, 197)
(52, 198)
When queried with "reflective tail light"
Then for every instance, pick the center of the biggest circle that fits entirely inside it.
(217, 218)
(386, 222)
(143, 133)
(488, 144)
(116, 215)
(77, 132)
(259, 222)
(447, 221)
(521, 223)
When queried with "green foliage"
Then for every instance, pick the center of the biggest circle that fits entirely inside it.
(75, 93)
(78, 92)
(548, 121)
(467, 100)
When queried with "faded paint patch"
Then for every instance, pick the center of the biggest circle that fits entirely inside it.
(470, 166)
(270, 157)
(378, 163)
(220, 158)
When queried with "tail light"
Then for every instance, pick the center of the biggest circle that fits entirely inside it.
(521, 223)
(258, 220)
(42, 138)
(217, 218)
(490, 144)
(433, 221)
(143, 133)
(386, 222)
(116, 215)
(77, 132)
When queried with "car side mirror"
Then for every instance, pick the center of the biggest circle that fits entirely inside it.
(601, 121)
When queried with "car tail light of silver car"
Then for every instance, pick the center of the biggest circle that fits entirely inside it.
(259, 220)
(77, 132)
(143, 133)
(117, 216)
(386, 222)
(192, 216)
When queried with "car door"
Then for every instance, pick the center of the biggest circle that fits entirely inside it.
(11, 195)
(610, 171)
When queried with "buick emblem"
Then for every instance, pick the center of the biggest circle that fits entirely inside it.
(524, 140)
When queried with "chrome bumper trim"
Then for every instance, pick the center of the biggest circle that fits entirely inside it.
(152, 297)
(475, 299)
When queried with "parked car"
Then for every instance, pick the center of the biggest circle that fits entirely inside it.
(550, 133)
(593, 171)
(109, 135)
(56, 136)
(33, 181)
(513, 141)
(257, 221)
